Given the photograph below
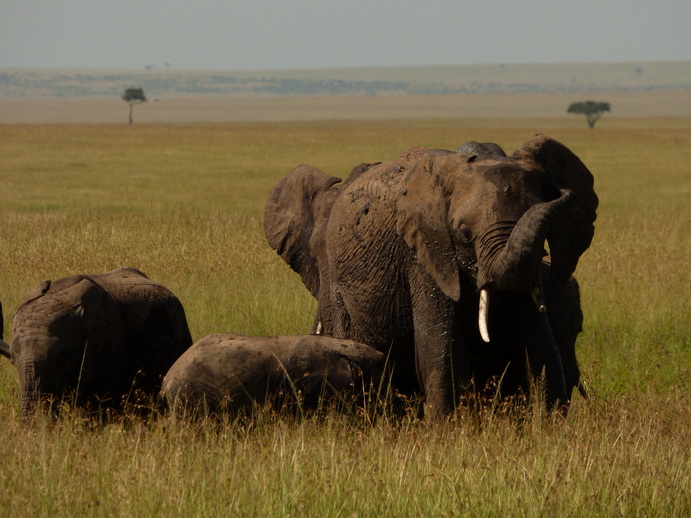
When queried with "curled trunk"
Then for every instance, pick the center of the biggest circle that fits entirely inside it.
(509, 255)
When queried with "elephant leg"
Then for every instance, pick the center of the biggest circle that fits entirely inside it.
(566, 321)
(524, 335)
(544, 355)
(433, 324)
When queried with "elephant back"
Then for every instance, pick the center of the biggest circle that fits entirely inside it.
(155, 321)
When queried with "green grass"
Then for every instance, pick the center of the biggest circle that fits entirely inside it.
(184, 204)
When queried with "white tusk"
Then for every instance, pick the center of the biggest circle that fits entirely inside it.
(482, 316)
(319, 328)
(539, 301)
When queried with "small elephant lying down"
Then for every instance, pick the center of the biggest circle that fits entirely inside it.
(230, 372)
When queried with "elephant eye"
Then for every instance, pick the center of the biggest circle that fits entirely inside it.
(466, 234)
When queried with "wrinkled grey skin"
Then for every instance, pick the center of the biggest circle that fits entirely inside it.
(410, 243)
(96, 338)
(226, 372)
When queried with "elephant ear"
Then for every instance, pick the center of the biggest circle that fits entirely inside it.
(289, 220)
(421, 219)
(571, 234)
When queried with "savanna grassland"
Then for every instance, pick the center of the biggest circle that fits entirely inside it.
(184, 203)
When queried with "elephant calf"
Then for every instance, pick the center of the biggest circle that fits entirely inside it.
(230, 372)
(96, 338)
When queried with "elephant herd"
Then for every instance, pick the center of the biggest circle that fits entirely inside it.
(435, 260)
(118, 339)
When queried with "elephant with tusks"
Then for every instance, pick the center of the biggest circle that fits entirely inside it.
(438, 259)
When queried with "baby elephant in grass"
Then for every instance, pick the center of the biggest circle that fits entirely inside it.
(96, 340)
(233, 373)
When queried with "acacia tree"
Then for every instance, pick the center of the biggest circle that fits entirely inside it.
(134, 96)
(592, 110)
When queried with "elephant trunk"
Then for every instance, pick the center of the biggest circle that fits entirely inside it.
(509, 255)
(28, 398)
(5, 349)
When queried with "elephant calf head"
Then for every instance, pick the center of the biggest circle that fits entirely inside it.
(321, 365)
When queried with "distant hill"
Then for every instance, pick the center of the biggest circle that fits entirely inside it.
(387, 81)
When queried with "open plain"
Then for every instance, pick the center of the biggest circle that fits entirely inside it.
(183, 201)
(225, 108)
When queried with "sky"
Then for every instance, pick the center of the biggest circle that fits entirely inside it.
(232, 35)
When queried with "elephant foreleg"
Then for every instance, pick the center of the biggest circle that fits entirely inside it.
(433, 324)
(544, 356)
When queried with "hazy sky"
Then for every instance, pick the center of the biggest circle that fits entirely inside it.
(299, 34)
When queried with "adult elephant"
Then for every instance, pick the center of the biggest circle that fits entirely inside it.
(415, 246)
(96, 338)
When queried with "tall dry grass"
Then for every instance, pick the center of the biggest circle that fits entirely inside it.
(184, 204)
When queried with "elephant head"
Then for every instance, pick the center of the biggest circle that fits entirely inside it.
(488, 218)
(295, 219)
(318, 363)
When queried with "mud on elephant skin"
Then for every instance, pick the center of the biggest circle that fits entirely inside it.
(410, 244)
(97, 339)
(226, 372)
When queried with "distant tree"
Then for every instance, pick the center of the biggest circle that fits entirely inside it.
(591, 109)
(134, 96)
